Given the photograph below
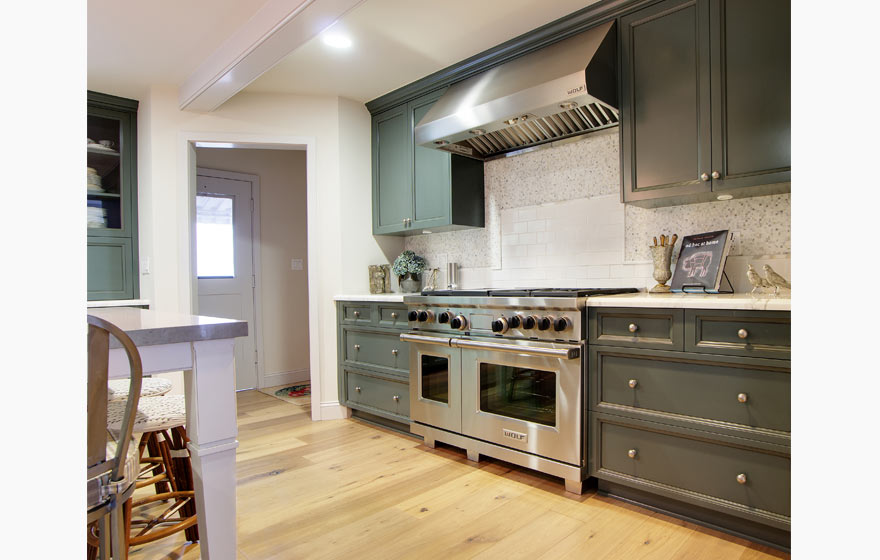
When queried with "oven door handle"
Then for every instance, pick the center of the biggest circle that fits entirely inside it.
(563, 353)
(438, 340)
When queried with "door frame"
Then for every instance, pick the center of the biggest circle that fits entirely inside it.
(256, 246)
(186, 176)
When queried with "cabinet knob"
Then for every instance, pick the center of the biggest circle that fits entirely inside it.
(632, 453)
(716, 175)
(404, 222)
(742, 333)
(704, 176)
(742, 397)
(741, 478)
(357, 347)
(632, 383)
(358, 389)
(396, 398)
(357, 314)
(633, 327)
(393, 315)
(394, 351)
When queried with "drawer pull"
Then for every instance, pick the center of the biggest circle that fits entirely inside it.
(358, 389)
(632, 453)
(633, 327)
(357, 314)
(632, 383)
(396, 398)
(394, 316)
(357, 347)
(742, 397)
(741, 478)
(394, 351)
(742, 333)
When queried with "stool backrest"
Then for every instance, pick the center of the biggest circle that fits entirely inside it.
(98, 369)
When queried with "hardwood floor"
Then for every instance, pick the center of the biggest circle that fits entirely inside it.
(346, 489)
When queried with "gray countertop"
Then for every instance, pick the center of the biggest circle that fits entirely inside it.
(147, 327)
(694, 301)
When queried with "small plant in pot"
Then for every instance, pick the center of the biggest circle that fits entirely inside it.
(409, 267)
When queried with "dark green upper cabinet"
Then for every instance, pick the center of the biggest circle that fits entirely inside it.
(111, 197)
(416, 188)
(705, 100)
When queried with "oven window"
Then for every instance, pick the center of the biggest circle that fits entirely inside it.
(517, 392)
(435, 378)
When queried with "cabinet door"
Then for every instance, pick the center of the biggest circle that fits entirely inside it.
(751, 92)
(665, 103)
(112, 198)
(110, 268)
(392, 170)
(431, 174)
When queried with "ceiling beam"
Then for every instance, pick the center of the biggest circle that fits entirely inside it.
(278, 28)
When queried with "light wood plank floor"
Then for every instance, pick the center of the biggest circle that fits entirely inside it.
(346, 489)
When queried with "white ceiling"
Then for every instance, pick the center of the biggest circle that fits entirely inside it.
(133, 45)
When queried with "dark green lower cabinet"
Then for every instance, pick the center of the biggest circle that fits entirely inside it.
(373, 361)
(110, 268)
(702, 432)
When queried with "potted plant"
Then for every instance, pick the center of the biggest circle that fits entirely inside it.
(409, 267)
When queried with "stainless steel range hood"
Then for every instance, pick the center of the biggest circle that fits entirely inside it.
(562, 90)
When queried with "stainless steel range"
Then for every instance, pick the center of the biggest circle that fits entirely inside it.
(501, 373)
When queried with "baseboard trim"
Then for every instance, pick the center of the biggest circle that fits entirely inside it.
(285, 378)
(332, 410)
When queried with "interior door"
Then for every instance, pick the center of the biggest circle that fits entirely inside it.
(224, 262)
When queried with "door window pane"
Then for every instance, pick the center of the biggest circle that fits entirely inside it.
(516, 392)
(215, 254)
(435, 378)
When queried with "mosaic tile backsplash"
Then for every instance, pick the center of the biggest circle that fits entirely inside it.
(554, 218)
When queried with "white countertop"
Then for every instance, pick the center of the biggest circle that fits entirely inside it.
(119, 303)
(693, 301)
(398, 298)
(148, 328)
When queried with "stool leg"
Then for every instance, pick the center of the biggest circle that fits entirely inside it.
(153, 448)
(183, 476)
(120, 521)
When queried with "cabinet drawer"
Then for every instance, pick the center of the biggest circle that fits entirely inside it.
(377, 349)
(642, 328)
(749, 392)
(356, 314)
(695, 470)
(392, 316)
(376, 393)
(765, 334)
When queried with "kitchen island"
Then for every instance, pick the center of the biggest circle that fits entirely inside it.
(204, 348)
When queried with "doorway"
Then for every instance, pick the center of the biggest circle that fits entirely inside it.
(225, 268)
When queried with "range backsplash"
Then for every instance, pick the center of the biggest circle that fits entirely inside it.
(554, 218)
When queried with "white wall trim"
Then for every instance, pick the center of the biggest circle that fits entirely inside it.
(257, 264)
(286, 378)
(186, 174)
(332, 410)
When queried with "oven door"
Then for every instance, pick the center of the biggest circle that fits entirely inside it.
(434, 381)
(525, 395)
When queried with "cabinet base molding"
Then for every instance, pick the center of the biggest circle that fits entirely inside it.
(400, 427)
(762, 534)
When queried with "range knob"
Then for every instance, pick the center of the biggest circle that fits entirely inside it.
(544, 323)
(561, 324)
(458, 322)
(426, 316)
(500, 325)
(529, 322)
(413, 315)
(514, 322)
(444, 317)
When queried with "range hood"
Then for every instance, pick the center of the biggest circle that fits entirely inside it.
(566, 89)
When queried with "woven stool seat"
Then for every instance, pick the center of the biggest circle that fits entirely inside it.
(153, 414)
(117, 389)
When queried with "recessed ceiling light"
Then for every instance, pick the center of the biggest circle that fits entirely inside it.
(336, 40)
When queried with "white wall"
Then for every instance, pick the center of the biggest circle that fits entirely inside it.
(284, 292)
(340, 243)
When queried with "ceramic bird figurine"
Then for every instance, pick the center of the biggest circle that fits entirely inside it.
(775, 279)
(756, 280)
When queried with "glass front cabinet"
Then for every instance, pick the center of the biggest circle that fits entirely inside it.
(111, 197)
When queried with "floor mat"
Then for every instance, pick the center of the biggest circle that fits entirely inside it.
(299, 394)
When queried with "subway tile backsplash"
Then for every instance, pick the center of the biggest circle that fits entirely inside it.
(554, 218)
